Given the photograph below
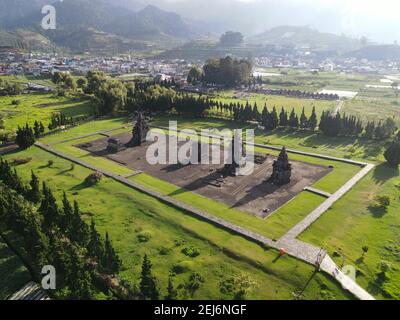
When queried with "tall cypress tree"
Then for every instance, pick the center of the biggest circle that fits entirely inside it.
(95, 246)
(303, 120)
(148, 286)
(312, 122)
(111, 261)
(34, 194)
(49, 210)
(171, 292)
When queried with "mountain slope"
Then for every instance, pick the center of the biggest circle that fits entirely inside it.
(305, 37)
(82, 23)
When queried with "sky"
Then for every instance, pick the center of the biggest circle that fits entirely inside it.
(376, 19)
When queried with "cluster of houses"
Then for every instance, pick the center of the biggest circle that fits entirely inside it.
(339, 64)
(12, 62)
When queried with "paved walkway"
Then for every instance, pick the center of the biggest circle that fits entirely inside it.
(319, 192)
(313, 216)
(31, 291)
(298, 249)
(347, 283)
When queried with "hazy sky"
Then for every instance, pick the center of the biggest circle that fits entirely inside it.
(377, 19)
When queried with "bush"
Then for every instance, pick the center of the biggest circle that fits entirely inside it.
(16, 102)
(191, 252)
(93, 178)
(182, 267)
(163, 251)
(382, 201)
(144, 236)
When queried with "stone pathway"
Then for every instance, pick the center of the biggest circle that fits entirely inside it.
(31, 291)
(329, 266)
(313, 216)
(319, 192)
(296, 248)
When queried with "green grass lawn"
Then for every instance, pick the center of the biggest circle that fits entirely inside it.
(13, 274)
(140, 224)
(40, 107)
(279, 102)
(354, 222)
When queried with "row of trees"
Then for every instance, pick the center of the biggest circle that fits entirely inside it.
(53, 235)
(114, 96)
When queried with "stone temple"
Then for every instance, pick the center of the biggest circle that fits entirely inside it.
(139, 132)
(234, 166)
(282, 169)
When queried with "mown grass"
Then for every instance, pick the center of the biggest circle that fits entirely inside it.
(355, 221)
(40, 107)
(279, 101)
(13, 274)
(127, 214)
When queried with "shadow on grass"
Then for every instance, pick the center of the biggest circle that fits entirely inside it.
(81, 186)
(377, 211)
(383, 173)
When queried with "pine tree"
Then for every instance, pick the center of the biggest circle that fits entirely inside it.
(273, 119)
(36, 129)
(148, 286)
(34, 194)
(66, 218)
(303, 120)
(293, 120)
(312, 122)
(49, 210)
(172, 294)
(79, 229)
(79, 279)
(111, 261)
(95, 246)
(283, 118)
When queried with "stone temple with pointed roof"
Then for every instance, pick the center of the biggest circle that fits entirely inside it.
(139, 132)
(282, 169)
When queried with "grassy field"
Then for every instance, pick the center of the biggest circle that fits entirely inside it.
(354, 222)
(140, 224)
(40, 107)
(279, 102)
(13, 275)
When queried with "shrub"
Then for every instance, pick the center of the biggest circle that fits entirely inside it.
(182, 267)
(382, 201)
(191, 252)
(93, 178)
(163, 251)
(50, 163)
(144, 236)
(16, 102)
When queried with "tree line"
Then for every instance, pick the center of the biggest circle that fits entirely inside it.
(54, 235)
(115, 96)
